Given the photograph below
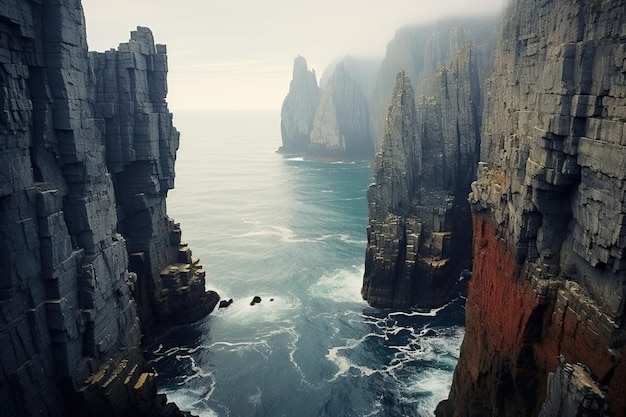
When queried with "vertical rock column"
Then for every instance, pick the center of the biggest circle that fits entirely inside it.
(67, 310)
(419, 222)
(141, 144)
(298, 110)
(69, 328)
(388, 268)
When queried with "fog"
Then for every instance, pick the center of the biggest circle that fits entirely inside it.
(238, 55)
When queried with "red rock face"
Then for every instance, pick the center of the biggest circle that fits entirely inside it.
(516, 330)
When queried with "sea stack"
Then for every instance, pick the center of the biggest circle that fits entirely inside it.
(298, 110)
(419, 238)
(391, 229)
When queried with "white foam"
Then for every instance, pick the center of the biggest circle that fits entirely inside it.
(430, 313)
(187, 401)
(241, 313)
(283, 233)
(255, 399)
(341, 285)
(345, 365)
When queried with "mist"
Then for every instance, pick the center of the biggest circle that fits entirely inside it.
(227, 55)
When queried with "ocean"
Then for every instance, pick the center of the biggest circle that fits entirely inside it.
(292, 232)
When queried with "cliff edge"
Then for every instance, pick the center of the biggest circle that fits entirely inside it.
(545, 309)
(86, 158)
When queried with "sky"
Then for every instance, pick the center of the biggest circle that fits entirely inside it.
(228, 54)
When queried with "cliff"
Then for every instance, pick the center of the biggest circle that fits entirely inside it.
(420, 50)
(419, 243)
(363, 70)
(341, 124)
(298, 110)
(545, 309)
(140, 144)
(81, 161)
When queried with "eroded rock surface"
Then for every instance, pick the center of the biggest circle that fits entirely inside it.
(419, 241)
(140, 145)
(420, 50)
(298, 110)
(549, 277)
(70, 337)
(341, 125)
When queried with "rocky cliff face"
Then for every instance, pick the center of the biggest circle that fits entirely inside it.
(418, 239)
(140, 147)
(298, 110)
(420, 50)
(341, 124)
(545, 310)
(70, 331)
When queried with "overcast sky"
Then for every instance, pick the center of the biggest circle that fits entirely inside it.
(228, 54)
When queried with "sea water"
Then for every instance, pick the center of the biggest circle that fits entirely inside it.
(292, 232)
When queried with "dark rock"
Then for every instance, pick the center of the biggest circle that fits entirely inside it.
(419, 239)
(225, 303)
(420, 50)
(255, 300)
(86, 158)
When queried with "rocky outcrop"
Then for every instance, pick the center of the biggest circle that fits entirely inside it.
(341, 124)
(298, 110)
(390, 199)
(420, 50)
(418, 239)
(140, 146)
(545, 310)
(70, 336)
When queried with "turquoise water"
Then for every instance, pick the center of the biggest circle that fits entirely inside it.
(292, 232)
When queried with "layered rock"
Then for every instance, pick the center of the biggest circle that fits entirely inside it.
(363, 70)
(298, 109)
(419, 242)
(387, 272)
(69, 326)
(420, 50)
(140, 145)
(545, 309)
(341, 124)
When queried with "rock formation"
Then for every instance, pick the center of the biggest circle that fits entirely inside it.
(420, 50)
(298, 110)
(363, 70)
(341, 124)
(140, 146)
(545, 310)
(418, 239)
(81, 161)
